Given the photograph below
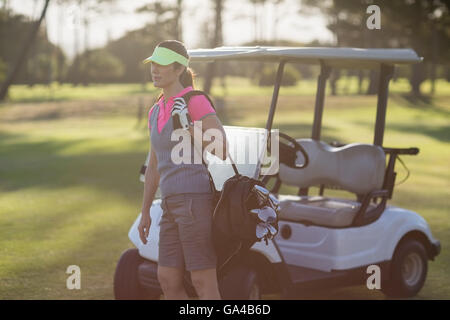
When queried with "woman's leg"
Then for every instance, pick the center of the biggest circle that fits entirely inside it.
(193, 216)
(205, 284)
(171, 281)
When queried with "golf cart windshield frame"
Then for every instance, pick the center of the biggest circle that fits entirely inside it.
(386, 72)
(327, 58)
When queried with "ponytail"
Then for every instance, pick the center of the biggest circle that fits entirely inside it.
(187, 78)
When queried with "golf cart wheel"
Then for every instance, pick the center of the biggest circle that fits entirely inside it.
(126, 282)
(240, 283)
(408, 270)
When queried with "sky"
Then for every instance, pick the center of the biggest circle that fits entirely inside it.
(238, 23)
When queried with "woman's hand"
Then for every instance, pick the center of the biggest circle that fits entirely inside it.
(144, 226)
(180, 114)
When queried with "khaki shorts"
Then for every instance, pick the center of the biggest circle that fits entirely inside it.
(185, 232)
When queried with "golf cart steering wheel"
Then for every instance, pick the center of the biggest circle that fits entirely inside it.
(288, 152)
(287, 156)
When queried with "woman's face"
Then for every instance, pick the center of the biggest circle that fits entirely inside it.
(164, 76)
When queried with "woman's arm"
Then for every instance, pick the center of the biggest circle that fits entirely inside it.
(211, 121)
(151, 184)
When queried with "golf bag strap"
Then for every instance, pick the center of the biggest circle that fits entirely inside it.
(187, 96)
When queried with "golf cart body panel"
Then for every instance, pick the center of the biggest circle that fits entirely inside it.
(327, 249)
(150, 250)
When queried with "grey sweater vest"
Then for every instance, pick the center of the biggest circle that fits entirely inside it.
(175, 178)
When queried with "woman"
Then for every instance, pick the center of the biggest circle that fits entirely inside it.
(187, 201)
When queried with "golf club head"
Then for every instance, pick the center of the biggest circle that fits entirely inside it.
(261, 230)
(273, 231)
(255, 211)
(267, 214)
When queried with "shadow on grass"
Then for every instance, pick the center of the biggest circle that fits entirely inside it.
(52, 95)
(25, 165)
(440, 133)
(38, 99)
(424, 103)
(41, 164)
(37, 276)
(131, 107)
(300, 131)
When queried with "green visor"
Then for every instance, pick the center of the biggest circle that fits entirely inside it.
(164, 56)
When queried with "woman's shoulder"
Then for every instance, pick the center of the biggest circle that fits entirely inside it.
(199, 106)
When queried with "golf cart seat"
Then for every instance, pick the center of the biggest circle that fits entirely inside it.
(317, 210)
(357, 168)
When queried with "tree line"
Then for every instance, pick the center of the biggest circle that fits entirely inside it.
(28, 57)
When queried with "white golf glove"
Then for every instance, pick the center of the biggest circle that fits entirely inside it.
(180, 115)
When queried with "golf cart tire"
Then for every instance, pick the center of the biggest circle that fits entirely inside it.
(397, 286)
(126, 281)
(240, 283)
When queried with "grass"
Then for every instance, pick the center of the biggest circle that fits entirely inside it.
(68, 92)
(234, 86)
(69, 188)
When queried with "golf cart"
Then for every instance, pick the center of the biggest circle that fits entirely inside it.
(322, 241)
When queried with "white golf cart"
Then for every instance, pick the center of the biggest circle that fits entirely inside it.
(322, 241)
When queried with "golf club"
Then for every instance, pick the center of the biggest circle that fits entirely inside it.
(272, 230)
(261, 230)
(274, 202)
(262, 194)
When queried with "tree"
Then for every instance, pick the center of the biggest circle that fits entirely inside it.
(277, 17)
(85, 13)
(97, 66)
(177, 29)
(26, 45)
(135, 46)
(164, 14)
(405, 23)
(14, 30)
(216, 41)
(2, 70)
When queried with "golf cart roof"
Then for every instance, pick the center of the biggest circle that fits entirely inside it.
(333, 57)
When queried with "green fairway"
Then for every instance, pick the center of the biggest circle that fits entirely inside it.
(234, 86)
(70, 189)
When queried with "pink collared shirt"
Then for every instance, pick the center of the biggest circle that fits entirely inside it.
(198, 108)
